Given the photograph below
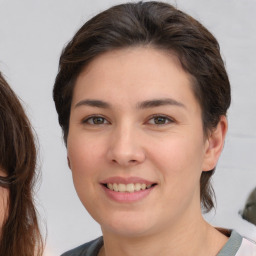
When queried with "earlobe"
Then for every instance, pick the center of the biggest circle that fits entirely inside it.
(214, 144)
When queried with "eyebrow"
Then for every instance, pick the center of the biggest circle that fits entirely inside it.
(159, 102)
(141, 105)
(93, 103)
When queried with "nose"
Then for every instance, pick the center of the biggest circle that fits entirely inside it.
(125, 147)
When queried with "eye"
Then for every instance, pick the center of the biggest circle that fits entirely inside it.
(160, 120)
(95, 120)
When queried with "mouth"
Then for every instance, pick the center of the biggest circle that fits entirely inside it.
(128, 188)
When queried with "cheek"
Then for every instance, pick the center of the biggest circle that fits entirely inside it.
(86, 157)
(83, 159)
(180, 161)
(83, 154)
(3, 205)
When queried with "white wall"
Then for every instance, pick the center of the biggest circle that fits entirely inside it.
(32, 34)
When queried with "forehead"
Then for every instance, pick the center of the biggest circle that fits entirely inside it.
(139, 71)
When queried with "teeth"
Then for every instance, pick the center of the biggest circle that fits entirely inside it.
(115, 187)
(127, 188)
(137, 187)
(121, 187)
(130, 188)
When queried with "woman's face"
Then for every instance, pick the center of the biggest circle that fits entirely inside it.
(135, 126)
(3, 201)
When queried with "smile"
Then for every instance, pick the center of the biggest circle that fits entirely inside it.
(127, 189)
(131, 187)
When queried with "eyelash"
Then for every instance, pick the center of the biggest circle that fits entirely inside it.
(86, 121)
(167, 120)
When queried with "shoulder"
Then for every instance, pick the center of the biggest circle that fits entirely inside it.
(247, 247)
(238, 246)
(88, 249)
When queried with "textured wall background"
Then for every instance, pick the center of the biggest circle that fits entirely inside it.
(32, 34)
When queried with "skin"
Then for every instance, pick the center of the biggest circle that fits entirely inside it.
(129, 141)
(3, 201)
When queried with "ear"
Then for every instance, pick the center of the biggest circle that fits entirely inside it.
(214, 144)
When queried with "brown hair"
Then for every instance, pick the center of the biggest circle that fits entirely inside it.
(161, 26)
(20, 234)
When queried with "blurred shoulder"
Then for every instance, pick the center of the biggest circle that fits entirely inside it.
(237, 245)
(88, 249)
(247, 247)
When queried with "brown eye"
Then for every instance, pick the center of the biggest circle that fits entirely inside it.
(98, 120)
(160, 120)
(95, 120)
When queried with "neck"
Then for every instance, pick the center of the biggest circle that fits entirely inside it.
(194, 238)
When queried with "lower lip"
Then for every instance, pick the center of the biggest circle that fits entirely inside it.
(127, 197)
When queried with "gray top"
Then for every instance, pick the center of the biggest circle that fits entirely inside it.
(92, 248)
(232, 246)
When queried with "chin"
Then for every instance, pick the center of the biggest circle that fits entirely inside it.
(128, 227)
(127, 231)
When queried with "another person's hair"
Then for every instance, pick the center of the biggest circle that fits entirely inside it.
(249, 212)
(20, 235)
(161, 26)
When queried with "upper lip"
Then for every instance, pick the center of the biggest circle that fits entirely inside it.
(126, 180)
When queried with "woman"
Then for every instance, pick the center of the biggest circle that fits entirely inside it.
(142, 95)
(19, 228)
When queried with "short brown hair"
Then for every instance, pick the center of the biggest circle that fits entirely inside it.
(20, 233)
(161, 26)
